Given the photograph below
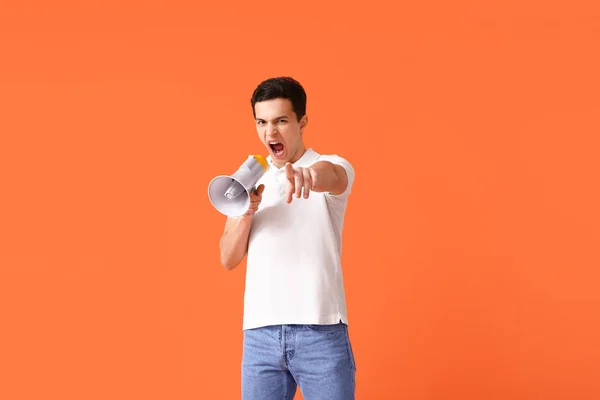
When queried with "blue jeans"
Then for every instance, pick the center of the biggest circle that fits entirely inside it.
(318, 358)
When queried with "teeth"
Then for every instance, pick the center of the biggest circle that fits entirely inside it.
(271, 143)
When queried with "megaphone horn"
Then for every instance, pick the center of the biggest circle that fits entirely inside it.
(230, 195)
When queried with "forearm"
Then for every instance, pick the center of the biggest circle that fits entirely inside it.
(234, 241)
(328, 177)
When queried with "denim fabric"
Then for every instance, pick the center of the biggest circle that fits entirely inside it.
(317, 358)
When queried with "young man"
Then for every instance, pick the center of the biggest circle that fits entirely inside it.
(295, 322)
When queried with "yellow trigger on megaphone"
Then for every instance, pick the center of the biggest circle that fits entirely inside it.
(230, 194)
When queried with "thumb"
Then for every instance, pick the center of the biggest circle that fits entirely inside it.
(260, 189)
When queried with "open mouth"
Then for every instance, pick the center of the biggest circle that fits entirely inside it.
(276, 148)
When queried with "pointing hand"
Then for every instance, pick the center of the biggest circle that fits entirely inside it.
(299, 178)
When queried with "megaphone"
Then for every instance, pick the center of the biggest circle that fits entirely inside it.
(230, 195)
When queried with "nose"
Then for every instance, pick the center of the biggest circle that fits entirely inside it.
(271, 129)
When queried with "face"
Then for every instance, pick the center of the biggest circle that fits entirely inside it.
(279, 130)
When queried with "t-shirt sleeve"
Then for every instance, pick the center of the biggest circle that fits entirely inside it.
(335, 159)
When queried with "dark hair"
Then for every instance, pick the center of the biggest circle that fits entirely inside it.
(284, 88)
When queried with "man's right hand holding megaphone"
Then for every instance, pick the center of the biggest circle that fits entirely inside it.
(255, 199)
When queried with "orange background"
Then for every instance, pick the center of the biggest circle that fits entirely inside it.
(471, 246)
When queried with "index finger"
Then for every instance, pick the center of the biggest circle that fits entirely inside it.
(289, 172)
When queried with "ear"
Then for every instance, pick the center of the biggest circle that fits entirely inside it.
(303, 123)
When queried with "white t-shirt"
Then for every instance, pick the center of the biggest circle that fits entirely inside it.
(294, 273)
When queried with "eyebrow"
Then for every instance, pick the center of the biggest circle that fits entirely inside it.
(279, 117)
